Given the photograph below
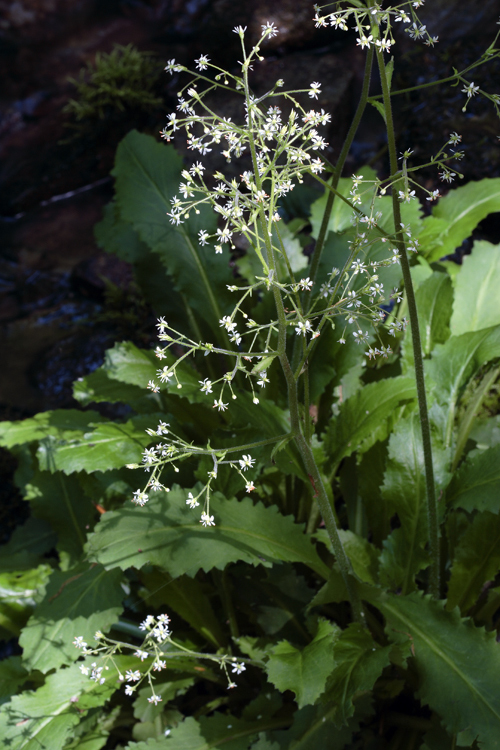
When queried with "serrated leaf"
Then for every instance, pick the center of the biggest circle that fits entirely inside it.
(77, 602)
(457, 664)
(304, 671)
(359, 662)
(146, 711)
(477, 560)
(63, 423)
(98, 387)
(456, 215)
(168, 534)
(362, 555)
(147, 176)
(361, 417)
(476, 285)
(476, 484)
(110, 445)
(455, 362)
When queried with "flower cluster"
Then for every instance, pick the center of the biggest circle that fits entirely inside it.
(153, 654)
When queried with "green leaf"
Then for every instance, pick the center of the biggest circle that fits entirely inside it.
(362, 554)
(361, 419)
(304, 672)
(477, 560)
(186, 597)
(456, 215)
(476, 484)
(168, 534)
(454, 363)
(61, 424)
(59, 500)
(457, 664)
(19, 592)
(12, 676)
(27, 545)
(359, 662)
(434, 298)
(109, 446)
(114, 235)
(476, 286)
(98, 387)
(77, 602)
(147, 177)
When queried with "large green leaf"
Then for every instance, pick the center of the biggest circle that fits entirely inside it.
(453, 363)
(62, 424)
(147, 177)
(434, 298)
(477, 560)
(98, 387)
(359, 662)
(456, 215)
(304, 671)
(27, 545)
(476, 484)
(457, 664)
(109, 446)
(61, 502)
(476, 286)
(168, 534)
(77, 602)
(361, 418)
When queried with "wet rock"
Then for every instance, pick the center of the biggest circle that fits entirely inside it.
(453, 20)
(25, 22)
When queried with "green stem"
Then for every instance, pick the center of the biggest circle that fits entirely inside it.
(293, 402)
(432, 515)
(318, 248)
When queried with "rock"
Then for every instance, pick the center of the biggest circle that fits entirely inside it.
(26, 22)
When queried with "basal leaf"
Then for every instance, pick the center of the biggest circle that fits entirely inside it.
(477, 560)
(114, 235)
(63, 423)
(453, 363)
(457, 664)
(110, 445)
(304, 671)
(476, 484)
(147, 176)
(77, 602)
(98, 387)
(168, 534)
(456, 215)
(60, 501)
(434, 298)
(476, 285)
(361, 417)
(359, 662)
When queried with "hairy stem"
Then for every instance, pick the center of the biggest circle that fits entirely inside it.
(432, 516)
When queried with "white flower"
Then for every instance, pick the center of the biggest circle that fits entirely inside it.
(269, 29)
(249, 487)
(84, 670)
(303, 328)
(306, 284)
(384, 45)
(132, 676)
(147, 622)
(364, 41)
(202, 62)
(151, 386)
(228, 324)
(263, 379)
(246, 462)
(238, 668)
(79, 642)
(314, 90)
(129, 690)
(172, 67)
(219, 405)
(141, 654)
(240, 30)
(203, 237)
(434, 195)
(207, 520)
(164, 374)
(158, 665)
(192, 501)
(155, 699)
(470, 89)
(206, 385)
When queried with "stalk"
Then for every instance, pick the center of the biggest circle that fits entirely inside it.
(293, 401)
(432, 515)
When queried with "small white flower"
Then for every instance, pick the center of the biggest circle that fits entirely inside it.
(364, 41)
(238, 668)
(155, 699)
(249, 487)
(263, 379)
(84, 670)
(147, 622)
(140, 498)
(219, 405)
(303, 328)
(206, 385)
(470, 89)
(434, 195)
(159, 665)
(132, 676)
(314, 90)
(306, 284)
(203, 237)
(141, 654)
(207, 520)
(79, 642)
(269, 29)
(192, 501)
(129, 690)
(246, 462)
(202, 62)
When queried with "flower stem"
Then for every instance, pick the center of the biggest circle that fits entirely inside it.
(432, 517)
